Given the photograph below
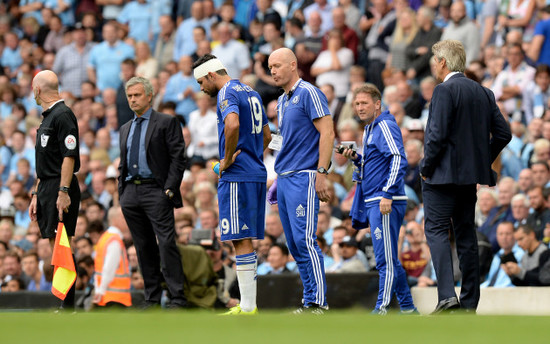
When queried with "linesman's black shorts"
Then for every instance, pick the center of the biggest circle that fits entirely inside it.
(46, 209)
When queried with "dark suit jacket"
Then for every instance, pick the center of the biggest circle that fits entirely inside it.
(464, 135)
(165, 153)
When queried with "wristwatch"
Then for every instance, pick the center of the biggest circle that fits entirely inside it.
(64, 189)
(169, 193)
(322, 170)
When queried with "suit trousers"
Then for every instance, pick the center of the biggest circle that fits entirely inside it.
(150, 217)
(451, 207)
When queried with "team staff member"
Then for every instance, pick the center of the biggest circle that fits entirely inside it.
(464, 135)
(151, 168)
(57, 195)
(305, 148)
(243, 135)
(112, 273)
(380, 194)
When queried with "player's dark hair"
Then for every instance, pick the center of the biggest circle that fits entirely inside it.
(207, 58)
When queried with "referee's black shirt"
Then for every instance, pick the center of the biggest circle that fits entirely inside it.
(57, 137)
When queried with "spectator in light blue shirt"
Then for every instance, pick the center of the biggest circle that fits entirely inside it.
(137, 15)
(5, 157)
(159, 8)
(31, 8)
(11, 56)
(106, 57)
(63, 8)
(21, 202)
(184, 44)
(19, 151)
(245, 11)
(505, 237)
(181, 89)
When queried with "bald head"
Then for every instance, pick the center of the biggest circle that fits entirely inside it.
(45, 87)
(284, 68)
(47, 81)
(284, 54)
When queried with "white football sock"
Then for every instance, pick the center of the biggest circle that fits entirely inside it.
(246, 275)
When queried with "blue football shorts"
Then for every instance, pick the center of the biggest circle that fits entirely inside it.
(242, 210)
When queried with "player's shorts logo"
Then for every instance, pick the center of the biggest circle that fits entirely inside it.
(300, 211)
(44, 140)
(377, 233)
(295, 100)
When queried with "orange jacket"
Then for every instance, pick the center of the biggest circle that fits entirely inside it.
(119, 288)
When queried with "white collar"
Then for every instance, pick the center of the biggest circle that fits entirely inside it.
(51, 106)
(450, 75)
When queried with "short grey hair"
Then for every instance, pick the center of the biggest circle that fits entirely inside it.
(521, 198)
(140, 80)
(453, 52)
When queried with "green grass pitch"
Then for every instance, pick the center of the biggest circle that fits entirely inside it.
(341, 326)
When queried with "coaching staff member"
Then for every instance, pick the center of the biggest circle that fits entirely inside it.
(57, 195)
(464, 135)
(306, 138)
(151, 169)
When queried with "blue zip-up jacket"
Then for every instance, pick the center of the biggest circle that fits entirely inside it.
(383, 167)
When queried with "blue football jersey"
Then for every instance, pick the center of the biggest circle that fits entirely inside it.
(296, 112)
(247, 103)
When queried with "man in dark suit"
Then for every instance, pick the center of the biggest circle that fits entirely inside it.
(151, 169)
(464, 135)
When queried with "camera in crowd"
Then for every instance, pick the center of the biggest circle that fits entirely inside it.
(205, 238)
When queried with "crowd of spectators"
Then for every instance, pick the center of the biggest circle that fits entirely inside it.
(96, 46)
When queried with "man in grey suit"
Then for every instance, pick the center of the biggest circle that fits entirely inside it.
(464, 135)
(151, 169)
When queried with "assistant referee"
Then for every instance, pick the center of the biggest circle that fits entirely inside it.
(57, 195)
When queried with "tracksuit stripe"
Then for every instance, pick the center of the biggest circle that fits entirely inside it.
(310, 226)
(396, 161)
(315, 98)
(388, 285)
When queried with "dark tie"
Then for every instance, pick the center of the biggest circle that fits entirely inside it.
(134, 149)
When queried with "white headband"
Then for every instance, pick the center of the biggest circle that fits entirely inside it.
(213, 66)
